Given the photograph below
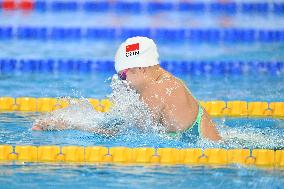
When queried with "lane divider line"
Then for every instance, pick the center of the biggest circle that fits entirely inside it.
(223, 7)
(206, 35)
(175, 67)
(143, 155)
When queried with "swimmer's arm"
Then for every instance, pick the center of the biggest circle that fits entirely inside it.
(48, 125)
(209, 131)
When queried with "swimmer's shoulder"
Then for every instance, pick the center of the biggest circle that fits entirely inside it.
(169, 89)
(166, 84)
(169, 82)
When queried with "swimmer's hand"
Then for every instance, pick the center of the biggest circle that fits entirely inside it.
(42, 125)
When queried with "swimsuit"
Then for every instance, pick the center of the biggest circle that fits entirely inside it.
(193, 132)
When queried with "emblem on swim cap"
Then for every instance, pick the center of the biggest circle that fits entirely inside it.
(136, 52)
(132, 49)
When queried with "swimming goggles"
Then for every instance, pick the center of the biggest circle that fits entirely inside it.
(122, 75)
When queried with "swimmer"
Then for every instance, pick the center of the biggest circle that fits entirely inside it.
(170, 101)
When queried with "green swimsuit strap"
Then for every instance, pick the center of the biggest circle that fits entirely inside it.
(198, 119)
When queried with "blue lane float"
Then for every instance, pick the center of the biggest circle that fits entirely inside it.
(258, 7)
(100, 33)
(278, 8)
(62, 6)
(6, 32)
(227, 7)
(40, 6)
(191, 7)
(96, 6)
(128, 7)
(160, 6)
(177, 67)
(231, 35)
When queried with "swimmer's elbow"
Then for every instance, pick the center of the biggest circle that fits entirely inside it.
(36, 128)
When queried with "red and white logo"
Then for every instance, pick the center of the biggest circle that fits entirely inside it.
(132, 49)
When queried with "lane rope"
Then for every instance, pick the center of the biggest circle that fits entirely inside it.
(143, 155)
(208, 35)
(223, 7)
(214, 108)
(175, 67)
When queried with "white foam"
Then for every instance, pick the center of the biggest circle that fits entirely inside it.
(128, 112)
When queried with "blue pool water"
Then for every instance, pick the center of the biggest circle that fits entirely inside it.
(108, 176)
(239, 132)
(255, 87)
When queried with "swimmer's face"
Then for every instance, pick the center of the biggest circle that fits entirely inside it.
(135, 76)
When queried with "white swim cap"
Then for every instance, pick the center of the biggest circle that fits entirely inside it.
(136, 52)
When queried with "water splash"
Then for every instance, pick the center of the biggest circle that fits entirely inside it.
(133, 122)
(128, 115)
(246, 135)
